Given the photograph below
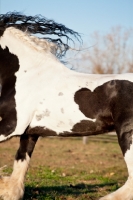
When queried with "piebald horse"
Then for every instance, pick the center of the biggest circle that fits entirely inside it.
(39, 96)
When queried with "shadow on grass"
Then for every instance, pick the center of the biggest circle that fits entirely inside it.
(62, 192)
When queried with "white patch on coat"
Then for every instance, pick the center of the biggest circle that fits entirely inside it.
(20, 169)
(46, 78)
(12, 188)
(2, 137)
(129, 161)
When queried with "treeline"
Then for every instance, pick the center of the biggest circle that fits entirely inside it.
(110, 53)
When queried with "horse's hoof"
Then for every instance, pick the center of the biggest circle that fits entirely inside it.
(10, 190)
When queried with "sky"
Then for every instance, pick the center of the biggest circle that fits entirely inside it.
(83, 16)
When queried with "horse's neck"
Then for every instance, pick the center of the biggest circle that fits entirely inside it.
(30, 56)
(43, 62)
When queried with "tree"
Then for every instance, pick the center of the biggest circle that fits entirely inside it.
(111, 53)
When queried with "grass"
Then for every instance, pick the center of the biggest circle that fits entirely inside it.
(65, 169)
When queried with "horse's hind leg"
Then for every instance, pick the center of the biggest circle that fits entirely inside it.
(12, 188)
(126, 191)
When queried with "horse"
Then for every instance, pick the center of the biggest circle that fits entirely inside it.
(40, 96)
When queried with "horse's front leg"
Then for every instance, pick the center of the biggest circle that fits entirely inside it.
(12, 188)
(126, 191)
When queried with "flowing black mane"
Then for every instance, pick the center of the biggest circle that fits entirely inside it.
(42, 26)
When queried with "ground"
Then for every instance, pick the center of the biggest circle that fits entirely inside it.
(65, 169)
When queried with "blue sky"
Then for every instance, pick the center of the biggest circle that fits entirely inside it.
(83, 16)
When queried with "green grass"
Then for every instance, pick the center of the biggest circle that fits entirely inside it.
(65, 169)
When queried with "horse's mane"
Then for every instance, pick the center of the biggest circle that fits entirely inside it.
(41, 26)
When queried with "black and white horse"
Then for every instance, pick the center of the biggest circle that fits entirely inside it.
(39, 96)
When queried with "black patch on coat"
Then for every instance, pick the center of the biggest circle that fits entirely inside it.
(2, 28)
(27, 144)
(41, 131)
(1, 32)
(125, 141)
(9, 64)
(122, 112)
(95, 105)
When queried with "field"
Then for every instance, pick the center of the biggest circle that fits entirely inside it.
(65, 169)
